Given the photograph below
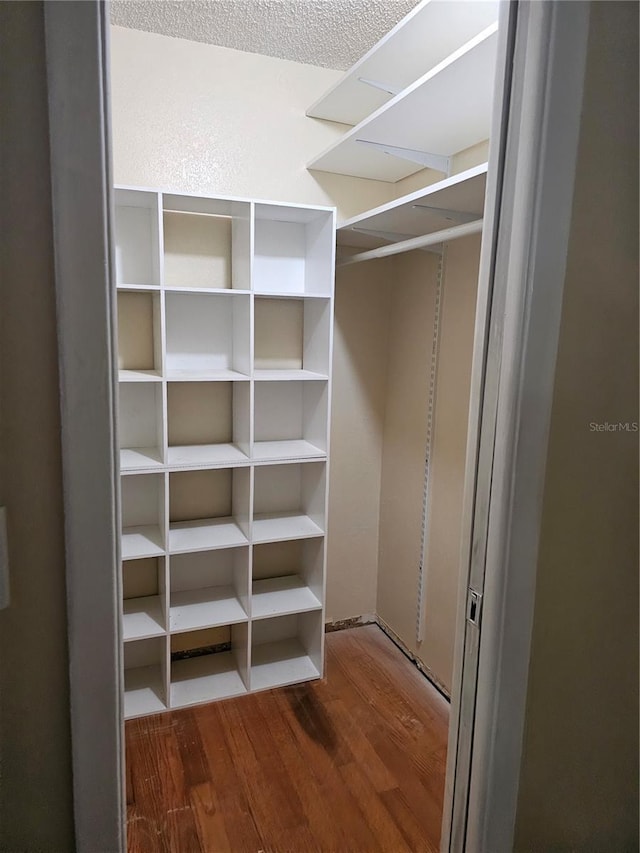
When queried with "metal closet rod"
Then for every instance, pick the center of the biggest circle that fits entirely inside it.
(422, 242)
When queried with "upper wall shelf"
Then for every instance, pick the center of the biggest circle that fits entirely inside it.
(426, 36)
(447, 110)
(446, 203)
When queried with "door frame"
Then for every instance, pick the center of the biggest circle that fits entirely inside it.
(522, 280)
(514, 361)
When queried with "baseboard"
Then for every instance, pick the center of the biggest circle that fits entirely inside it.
(352, 622)
(374, 619)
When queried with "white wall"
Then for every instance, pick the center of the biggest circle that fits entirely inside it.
(201, 118)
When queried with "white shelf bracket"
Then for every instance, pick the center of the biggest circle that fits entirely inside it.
(376, 84)
(445, 213)
(424, 158)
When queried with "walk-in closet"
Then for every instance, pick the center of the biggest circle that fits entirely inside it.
(297, 250)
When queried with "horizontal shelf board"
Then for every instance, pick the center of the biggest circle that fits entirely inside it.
(281, 663)
(280, 526)
(206, 376)
(225, 291)
(286, 375)
(205, 608)
(205, 455)
(139, 376)
(138, 287)
(463, 193)
(459, 92)
(143, 691)
(204, 678)
(279, 596)
(273, 294)
(142, 617)
(268, 451)
(204, 535)
(136, 458)
(144, 541)
(422, 39)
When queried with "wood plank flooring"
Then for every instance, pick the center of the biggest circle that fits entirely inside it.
(351, 764)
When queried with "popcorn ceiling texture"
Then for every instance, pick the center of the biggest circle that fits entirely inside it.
(328, 33)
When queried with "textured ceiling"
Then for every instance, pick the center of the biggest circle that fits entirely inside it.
(330, 33)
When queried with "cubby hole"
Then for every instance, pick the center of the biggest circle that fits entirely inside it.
(292, 338)
(208, 336)
(208, 423)
(290, 420)
(208, 509)
(209, 664)
(208, 588)
(145, 663)
(289, 501)
(144, 598)
(286, 650)
(206, 243)
(142, 509)
(293, 251)
(287, 577)
(140, 425)
(139, 346)
(137, 238)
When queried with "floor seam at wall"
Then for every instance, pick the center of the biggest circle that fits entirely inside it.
(374, 619)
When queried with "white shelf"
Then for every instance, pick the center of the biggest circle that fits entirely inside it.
(293, 251)
(141, 541)
(442, 113)
(213, 290)
(425, 211)
(279, 596)
(421, 40)
(292, 338)
(208, 533)
(205, 456)
(192, 609)
(142, 617)
(143, 691)
(136, 237)
(207, 333)
(270, 451)
(139, 459)
(280, 663)
(287, 375)
(203, 678)
(278, 526)
(206, 375)
(139, 376)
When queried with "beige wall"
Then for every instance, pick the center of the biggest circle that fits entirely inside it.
(35, 761)
(200, 118)
(579, 777)
(448, 455)
(363, 300)
(409, 361)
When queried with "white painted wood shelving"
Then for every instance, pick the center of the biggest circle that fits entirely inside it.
(225, 326)
(421, 95)
(432, 31)
(440, 206)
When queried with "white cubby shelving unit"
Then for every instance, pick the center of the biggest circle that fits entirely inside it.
(421, 95)
(225, 329)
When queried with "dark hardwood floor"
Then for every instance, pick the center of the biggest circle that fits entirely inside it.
(353, 763)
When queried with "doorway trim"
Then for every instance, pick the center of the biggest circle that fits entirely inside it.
(77, 71)
(514, 378)
(76, 39)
